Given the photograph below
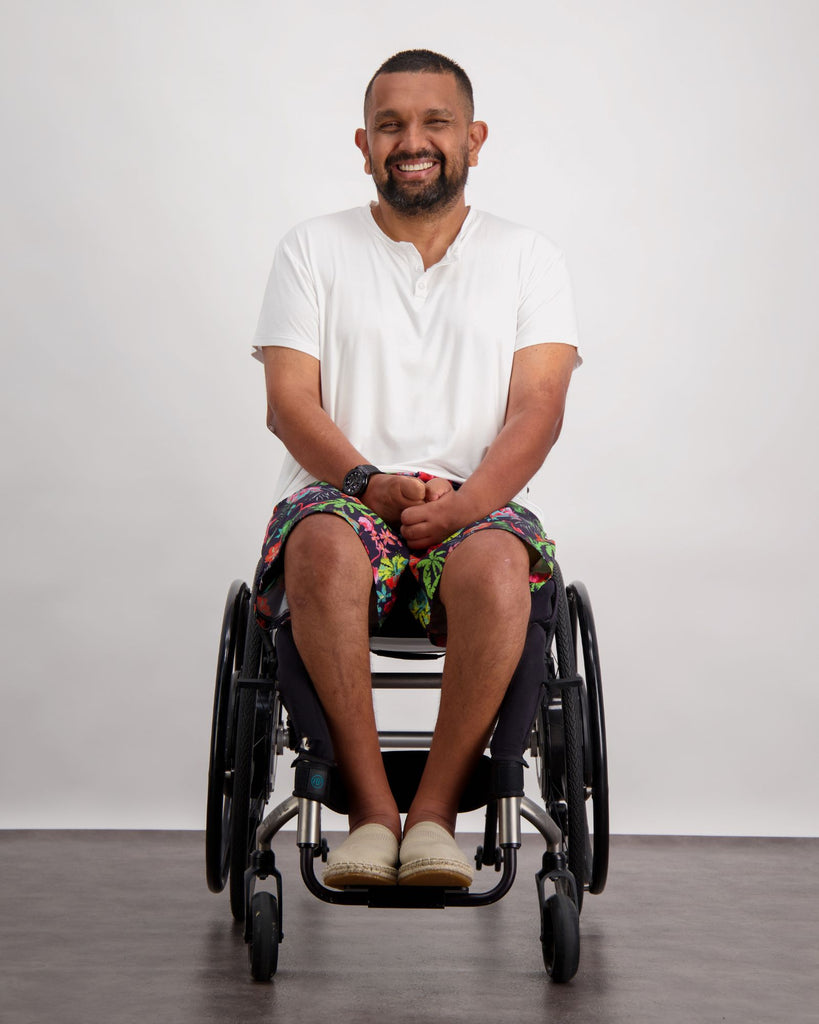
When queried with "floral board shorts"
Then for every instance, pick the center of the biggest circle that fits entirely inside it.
(392, 561)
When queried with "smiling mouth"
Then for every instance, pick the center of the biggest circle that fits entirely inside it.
(421, 165)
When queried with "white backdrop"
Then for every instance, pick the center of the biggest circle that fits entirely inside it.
(153, 155)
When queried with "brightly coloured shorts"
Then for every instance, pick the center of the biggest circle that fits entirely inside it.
(392, 561)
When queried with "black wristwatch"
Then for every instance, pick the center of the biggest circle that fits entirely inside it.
(355, 483)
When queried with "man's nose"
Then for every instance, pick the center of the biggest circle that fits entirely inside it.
(414, 137)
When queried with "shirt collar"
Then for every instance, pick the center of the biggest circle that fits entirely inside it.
(452, 254)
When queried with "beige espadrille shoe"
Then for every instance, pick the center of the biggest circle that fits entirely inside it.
(430, 856)
(368, 856)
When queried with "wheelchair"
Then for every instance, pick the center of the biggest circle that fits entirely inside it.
(265, 704)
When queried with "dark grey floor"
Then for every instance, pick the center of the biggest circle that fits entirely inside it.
(120, 927)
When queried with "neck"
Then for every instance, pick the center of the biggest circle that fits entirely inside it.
(431, 234)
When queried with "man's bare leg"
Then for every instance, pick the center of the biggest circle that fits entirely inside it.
(329, 582)
(485, 591)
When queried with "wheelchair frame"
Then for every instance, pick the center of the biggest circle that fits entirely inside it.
(251, 729)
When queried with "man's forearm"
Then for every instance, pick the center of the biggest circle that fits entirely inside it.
(537, 400)
(296, 417)
(511, 461)
(318, 445)
(314, 440)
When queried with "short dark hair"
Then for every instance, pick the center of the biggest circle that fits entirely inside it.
(424, 60)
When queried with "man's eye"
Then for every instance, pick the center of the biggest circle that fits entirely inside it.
(388, 126)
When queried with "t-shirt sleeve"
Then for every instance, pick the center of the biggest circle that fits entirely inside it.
(546, 309)
(290, 315)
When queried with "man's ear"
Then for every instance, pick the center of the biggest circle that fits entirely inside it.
(361, 142)
(478, 131)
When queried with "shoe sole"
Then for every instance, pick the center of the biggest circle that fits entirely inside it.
(341, 876)
(450, 874)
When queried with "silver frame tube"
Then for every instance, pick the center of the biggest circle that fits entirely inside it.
(309, 830)
(279, 816)
(543, 822)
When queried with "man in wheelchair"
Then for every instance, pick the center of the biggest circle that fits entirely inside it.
(417, 356)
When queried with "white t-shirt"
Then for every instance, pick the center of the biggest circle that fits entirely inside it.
(415, 364)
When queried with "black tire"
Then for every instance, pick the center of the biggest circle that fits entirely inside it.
(251, 782)
(560, 937)
(577, 831)
(243, 821)
(597, 753)
(220, 790)
(263, 951)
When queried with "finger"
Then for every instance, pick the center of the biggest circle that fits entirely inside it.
(411, 488)
(414, 531)
(436, 488)
(419, 545)
(417, 537)
(414, 514)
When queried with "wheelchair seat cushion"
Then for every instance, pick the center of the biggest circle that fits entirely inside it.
(391, 559)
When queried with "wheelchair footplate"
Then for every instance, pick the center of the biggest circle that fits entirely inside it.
(421, 897)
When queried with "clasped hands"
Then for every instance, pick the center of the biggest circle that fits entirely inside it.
(424, 513)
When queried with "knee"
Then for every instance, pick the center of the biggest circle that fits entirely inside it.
(490, 568)
(324, 559)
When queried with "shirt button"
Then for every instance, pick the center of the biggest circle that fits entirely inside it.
(422, 286)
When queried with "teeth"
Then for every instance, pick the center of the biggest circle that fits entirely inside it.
(417, 167)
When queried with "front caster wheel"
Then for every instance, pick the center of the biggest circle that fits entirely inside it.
(264, 944)
(560, 937)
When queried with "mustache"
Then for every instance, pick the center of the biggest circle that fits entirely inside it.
(405, 157)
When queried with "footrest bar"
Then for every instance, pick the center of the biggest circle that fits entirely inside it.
(408, 896)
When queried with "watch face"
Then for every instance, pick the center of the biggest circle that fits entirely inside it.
(356, 481)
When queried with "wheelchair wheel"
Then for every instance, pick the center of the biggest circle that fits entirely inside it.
(251, 773)
(243, 821)
(597, 758)
(220, 767)
(263, 951)
(571, 787)
(560, 937)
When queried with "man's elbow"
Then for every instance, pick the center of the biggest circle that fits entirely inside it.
(556, 429)
(549, 433)
(271, 420)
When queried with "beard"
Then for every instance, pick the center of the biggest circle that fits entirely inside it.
(436, 196)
